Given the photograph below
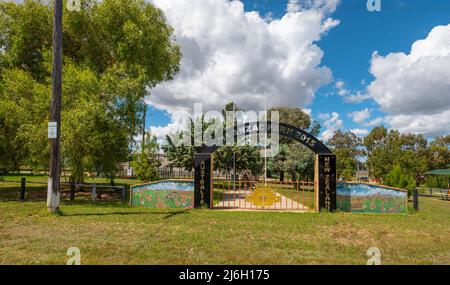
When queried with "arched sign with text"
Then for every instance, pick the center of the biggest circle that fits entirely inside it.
(284, 130)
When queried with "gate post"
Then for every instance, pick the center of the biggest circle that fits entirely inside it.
(203, 181)
(22, 189)
(325, 182)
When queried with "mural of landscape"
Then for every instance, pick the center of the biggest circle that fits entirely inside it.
(162, 198)
(163, 194)
(361, 198)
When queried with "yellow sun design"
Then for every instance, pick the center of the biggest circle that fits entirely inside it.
(264, 197)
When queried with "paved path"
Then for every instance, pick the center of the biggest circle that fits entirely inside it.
(235, 200)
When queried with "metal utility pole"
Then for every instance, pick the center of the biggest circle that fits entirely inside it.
(53, 189)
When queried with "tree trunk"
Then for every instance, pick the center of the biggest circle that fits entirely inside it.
(53, 197)
(294, 176)
(282, 176)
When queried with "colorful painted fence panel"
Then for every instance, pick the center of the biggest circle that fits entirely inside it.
(362, 198)
(166, 194)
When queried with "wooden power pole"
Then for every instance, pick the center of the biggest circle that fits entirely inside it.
(143, 129)
(53, 189)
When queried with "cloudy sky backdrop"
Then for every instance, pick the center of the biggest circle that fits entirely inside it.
(350, 68)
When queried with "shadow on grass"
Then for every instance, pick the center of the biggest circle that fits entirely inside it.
(169, 214)
(12, 194)
(38, 194)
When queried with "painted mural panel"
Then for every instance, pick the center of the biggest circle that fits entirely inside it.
(165, 194)
(361, 198)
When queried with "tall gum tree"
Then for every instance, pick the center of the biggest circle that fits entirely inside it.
(117, 50)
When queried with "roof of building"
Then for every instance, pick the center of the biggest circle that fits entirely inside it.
(438, 172)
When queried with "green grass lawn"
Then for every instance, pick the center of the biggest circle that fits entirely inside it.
(112, 233)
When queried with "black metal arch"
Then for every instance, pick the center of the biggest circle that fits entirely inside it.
(284, 130)
(324, 174)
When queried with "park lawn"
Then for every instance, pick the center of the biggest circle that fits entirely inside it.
(112, 233)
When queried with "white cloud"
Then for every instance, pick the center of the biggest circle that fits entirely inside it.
(179, 121)
(358, 97)
(432, 125)
(297, 5)
(360, 116)
(233, 55)
(340, 86)
(360, 132)
(307, 111)
(374, 122)
(329, 24)
(293, 6)
(414, 88)
(348, 95)
(332, 123)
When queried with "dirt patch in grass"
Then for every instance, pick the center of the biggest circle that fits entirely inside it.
(348, 234)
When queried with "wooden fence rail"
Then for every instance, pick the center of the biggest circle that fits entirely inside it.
(72, 186)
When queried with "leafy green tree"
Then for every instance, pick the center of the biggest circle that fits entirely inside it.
(224, 159)
(347, 147)
(439, 156)
(24, 109)
(388, 149)
(10, 149)
(244, 158)
(26, 37)
(292, 116)
(181, 154)
(147, 166)
(383, 149)
(294, 158)
(114, 51)
(414, 155)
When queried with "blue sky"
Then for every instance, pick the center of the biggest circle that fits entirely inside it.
(348, 47)
(347, 51)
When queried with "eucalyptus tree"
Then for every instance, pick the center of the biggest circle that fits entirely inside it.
(387, 149)
(294, 158)
(439, 156)
(113, 50)
(347, 147)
